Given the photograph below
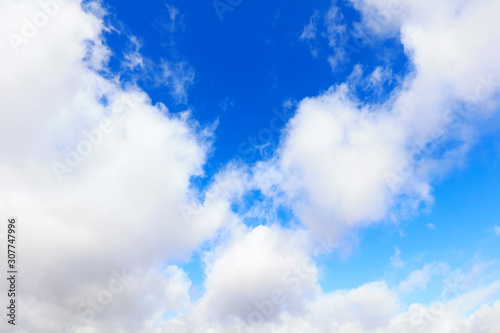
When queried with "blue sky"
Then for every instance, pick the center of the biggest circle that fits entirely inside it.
(251, 63)
(314, 166)
(247, 65)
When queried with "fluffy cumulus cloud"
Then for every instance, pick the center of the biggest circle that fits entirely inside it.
(372, 307)
(245, 290)
(96, 175)
(100, 180)
(344, 163)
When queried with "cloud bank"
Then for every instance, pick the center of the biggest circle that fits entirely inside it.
(101, 181)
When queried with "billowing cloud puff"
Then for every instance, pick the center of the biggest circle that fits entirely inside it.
(95, 174)
(344, 163)
(101, 182)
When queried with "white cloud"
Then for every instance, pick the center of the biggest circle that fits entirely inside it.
(252, 268)
(133, 58)
(396, 260)
(310, 29)
(496, 230)
(372, 307)
(178, 76)
(117, 205)
(451, 315)
(341, 165)
(173, 14)
(344, 164)
(177, 289)
(418, 279)
(309, 34)
(335, 34)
